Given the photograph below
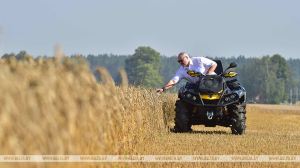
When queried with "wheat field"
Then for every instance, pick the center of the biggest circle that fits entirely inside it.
(56, 107)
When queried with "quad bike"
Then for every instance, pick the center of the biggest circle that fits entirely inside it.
(213, 100)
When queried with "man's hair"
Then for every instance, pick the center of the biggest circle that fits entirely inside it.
(183, 53)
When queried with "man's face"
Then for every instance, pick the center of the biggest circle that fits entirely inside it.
(183, 60)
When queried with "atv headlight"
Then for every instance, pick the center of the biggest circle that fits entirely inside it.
(188, 95)
(232, 96)
(227, 99)
(194, 98)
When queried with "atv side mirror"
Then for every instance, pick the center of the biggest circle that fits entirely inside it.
(232, 65)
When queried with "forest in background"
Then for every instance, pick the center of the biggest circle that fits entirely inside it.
(267, 79)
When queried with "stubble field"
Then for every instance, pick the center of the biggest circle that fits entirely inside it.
(56, 107)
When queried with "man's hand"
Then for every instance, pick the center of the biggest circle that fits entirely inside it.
(211, 69)
(159, 90)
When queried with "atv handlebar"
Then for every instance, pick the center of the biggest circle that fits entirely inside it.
(193, 73)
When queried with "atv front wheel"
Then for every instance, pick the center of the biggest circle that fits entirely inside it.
(238, 118)
(181, 117)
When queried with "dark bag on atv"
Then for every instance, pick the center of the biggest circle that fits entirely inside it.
(211, 84)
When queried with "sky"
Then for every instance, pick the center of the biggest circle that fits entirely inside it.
(252, 28)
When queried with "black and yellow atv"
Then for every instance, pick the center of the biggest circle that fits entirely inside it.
(209, 102)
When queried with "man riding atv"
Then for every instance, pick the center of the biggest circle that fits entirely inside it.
(197, 64)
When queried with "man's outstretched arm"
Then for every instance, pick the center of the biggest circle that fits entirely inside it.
(170, 84)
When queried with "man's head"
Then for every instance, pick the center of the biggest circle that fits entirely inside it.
(183, 59)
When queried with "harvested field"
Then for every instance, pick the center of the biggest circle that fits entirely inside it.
(265, 108)
(56, 107)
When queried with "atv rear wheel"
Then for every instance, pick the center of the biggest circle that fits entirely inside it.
(181, 117)
(238, 118)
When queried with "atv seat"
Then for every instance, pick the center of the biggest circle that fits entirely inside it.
(219, 68)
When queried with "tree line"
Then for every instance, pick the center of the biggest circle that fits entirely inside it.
(268, 79)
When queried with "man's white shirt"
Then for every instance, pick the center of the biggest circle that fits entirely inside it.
(197, 64)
